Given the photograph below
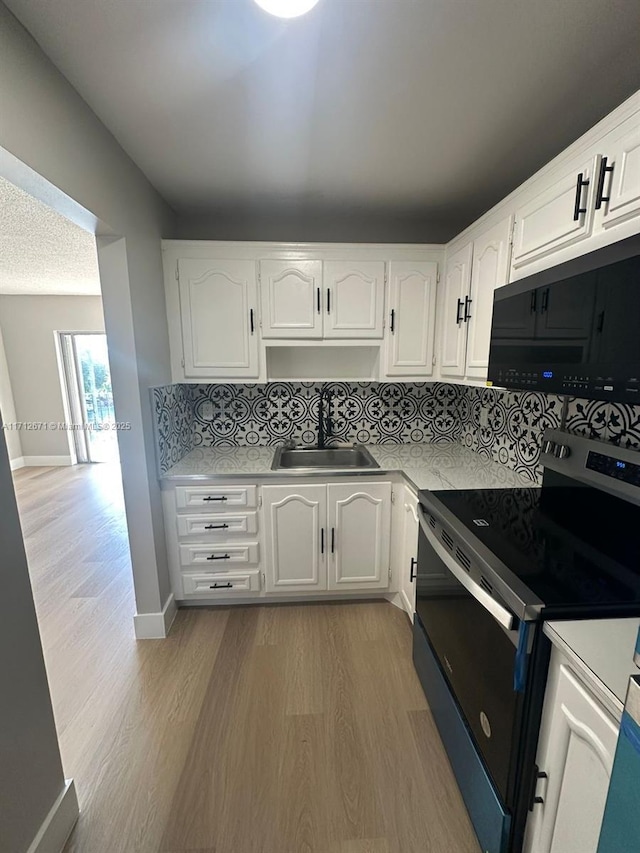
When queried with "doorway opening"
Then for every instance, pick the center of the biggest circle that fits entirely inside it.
(89, 397)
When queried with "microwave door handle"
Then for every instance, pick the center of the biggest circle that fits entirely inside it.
(503, 616)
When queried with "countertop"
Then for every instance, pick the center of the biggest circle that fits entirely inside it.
(424, 466)
(601, 649)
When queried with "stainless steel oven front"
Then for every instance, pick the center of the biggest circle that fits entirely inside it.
(482, 650)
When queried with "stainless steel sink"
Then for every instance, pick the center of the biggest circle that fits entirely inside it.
(311, 459)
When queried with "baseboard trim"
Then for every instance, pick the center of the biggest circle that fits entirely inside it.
(57, 826)
(156, 626)
(17, 463)
(46, 461)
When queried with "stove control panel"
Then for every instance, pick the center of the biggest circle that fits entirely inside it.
(611, 466)
(596, 463)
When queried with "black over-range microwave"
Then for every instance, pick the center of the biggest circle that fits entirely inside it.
(572, 329)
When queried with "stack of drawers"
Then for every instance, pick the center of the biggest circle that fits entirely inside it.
(218, 543)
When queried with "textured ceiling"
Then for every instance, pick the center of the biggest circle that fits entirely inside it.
(427, 111)
(41, 252)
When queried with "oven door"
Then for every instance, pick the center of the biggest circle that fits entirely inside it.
(475, 640)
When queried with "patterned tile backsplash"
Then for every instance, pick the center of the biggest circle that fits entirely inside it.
(504, 425)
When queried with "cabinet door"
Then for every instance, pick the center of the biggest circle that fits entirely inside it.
(455, 295)
(490, 270)
(412, 312)
(546, 223)
(359, 521)
(577, 745)
(354, 299)
(295, 522)
(291, 299)
(218, 312)
(409, 551)
(622, 185)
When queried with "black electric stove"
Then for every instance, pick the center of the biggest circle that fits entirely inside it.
(571, 544)
(493, 564)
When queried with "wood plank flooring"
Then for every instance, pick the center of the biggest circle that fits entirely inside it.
(291, 729)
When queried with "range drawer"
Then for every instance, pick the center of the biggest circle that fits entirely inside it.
(221, 583)
(219, 556)
(222, 498)
(218, 525)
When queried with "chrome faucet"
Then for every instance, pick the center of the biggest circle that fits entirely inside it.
(325, 425)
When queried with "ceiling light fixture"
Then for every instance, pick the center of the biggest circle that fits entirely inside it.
(286, 8)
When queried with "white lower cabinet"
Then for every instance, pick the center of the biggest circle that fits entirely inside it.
(576, 750)
(409, 561)
(301, 538)
(359, 518)
(327, 537)
(295, 526)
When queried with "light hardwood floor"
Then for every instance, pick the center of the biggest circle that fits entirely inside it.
(293, 729)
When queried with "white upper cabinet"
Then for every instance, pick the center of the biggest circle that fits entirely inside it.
(359, 522)
(576, 750)
(291, 299)
(560, 215)
(454, 306)
(584, 200)
(218, 301)
(295, 529)
(411, 309)
(490, 270)
(354, 299)
(618, 188)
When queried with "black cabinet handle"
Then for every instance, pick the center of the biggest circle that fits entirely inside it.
(600, 325)
(577, 210)
(318, 299)
(459, 309)
(600, 196)
(392, 327)
(251, 322)
(221, 586)
(328, 301)
(467, 313)
(534, 301)
(216, 526)
(322, 540)
(545, 301)
(222, 557)
(412, 572)
(333, 540)
(209, 498)
(533, 798)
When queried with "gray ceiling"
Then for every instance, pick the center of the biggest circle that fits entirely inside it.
(378, 117)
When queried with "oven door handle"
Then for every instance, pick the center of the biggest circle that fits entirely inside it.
(503, 616)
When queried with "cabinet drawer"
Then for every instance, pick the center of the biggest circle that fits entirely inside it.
(221, 583)
(213, 498)
(217, 526)
(218, 556)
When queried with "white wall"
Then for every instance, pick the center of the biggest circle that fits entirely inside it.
(8, 409)
(54, 146)
(28, 324)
